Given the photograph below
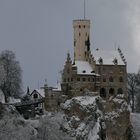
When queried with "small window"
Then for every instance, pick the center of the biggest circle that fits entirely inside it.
(115, 61)
(84, 71)
(85, 53)
(64, 80)
(120, 91)
(84, 26)
(111, 79)
(79, 34)
(89, 79)
(68, 71)
(71, 79)
(79, 26)
(35, 96)
(93, 71)
(93, 79)
(121, 79)
(100, 60)
(74, 42)
(99, 70)
(78, 79)
(84, 79)
(104, 80)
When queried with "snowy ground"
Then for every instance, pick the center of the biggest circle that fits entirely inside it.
(135, 120)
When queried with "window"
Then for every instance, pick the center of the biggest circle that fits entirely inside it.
(68, 79)
(84, 26)
(85, 53)
(78, 79)
(84, 79)
(121, 79)
(111, 79)
(100, 60)
(35, 96)
(120, 91)
(93, 79)
(93, 71)
(68, 71)
(74, 42)
(99, 70)
(104, 80)
(79, 26)
(89, 79)
(71, 79)
(84, 71)
(111, 91)
(64, 80)
(79, 34)
(103, 92)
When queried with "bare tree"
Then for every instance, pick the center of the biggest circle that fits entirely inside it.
(11, 86)
(132, 88)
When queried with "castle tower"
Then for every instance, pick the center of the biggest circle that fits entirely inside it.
(81, 39)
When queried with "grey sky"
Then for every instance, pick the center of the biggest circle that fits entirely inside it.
(40, 32)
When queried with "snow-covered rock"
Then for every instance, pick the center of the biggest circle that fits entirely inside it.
(14, 127)
(82, 117)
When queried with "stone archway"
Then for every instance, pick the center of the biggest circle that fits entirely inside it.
(111, 91)
(103, 92)
(120, 91)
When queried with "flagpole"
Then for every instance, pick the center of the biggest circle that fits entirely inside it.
(84, 9)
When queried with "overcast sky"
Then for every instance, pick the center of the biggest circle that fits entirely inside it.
(40, 33)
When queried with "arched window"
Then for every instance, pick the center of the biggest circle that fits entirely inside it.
(111, 91)
(35, 96)
(120, 91)
(103, 92)
(111, 79)
(121, 79)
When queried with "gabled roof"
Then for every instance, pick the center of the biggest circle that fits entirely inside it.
(40, 91)
(84, 68)
(107, 57)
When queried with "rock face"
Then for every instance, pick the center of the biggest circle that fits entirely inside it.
(92, 118)
(117, 119)
(82, 117)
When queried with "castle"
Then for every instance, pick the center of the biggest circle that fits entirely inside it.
(101, 71)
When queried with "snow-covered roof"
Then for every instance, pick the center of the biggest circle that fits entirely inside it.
(108, 57)
(41, 92)
(84, 68)
(13, 100)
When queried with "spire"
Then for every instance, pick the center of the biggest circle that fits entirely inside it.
(28, 90)
(68, 57)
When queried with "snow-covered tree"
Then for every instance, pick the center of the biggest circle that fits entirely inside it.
(11, 85)
(132, 82)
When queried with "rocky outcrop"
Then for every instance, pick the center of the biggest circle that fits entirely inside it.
(82, 117)
(116, 118)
